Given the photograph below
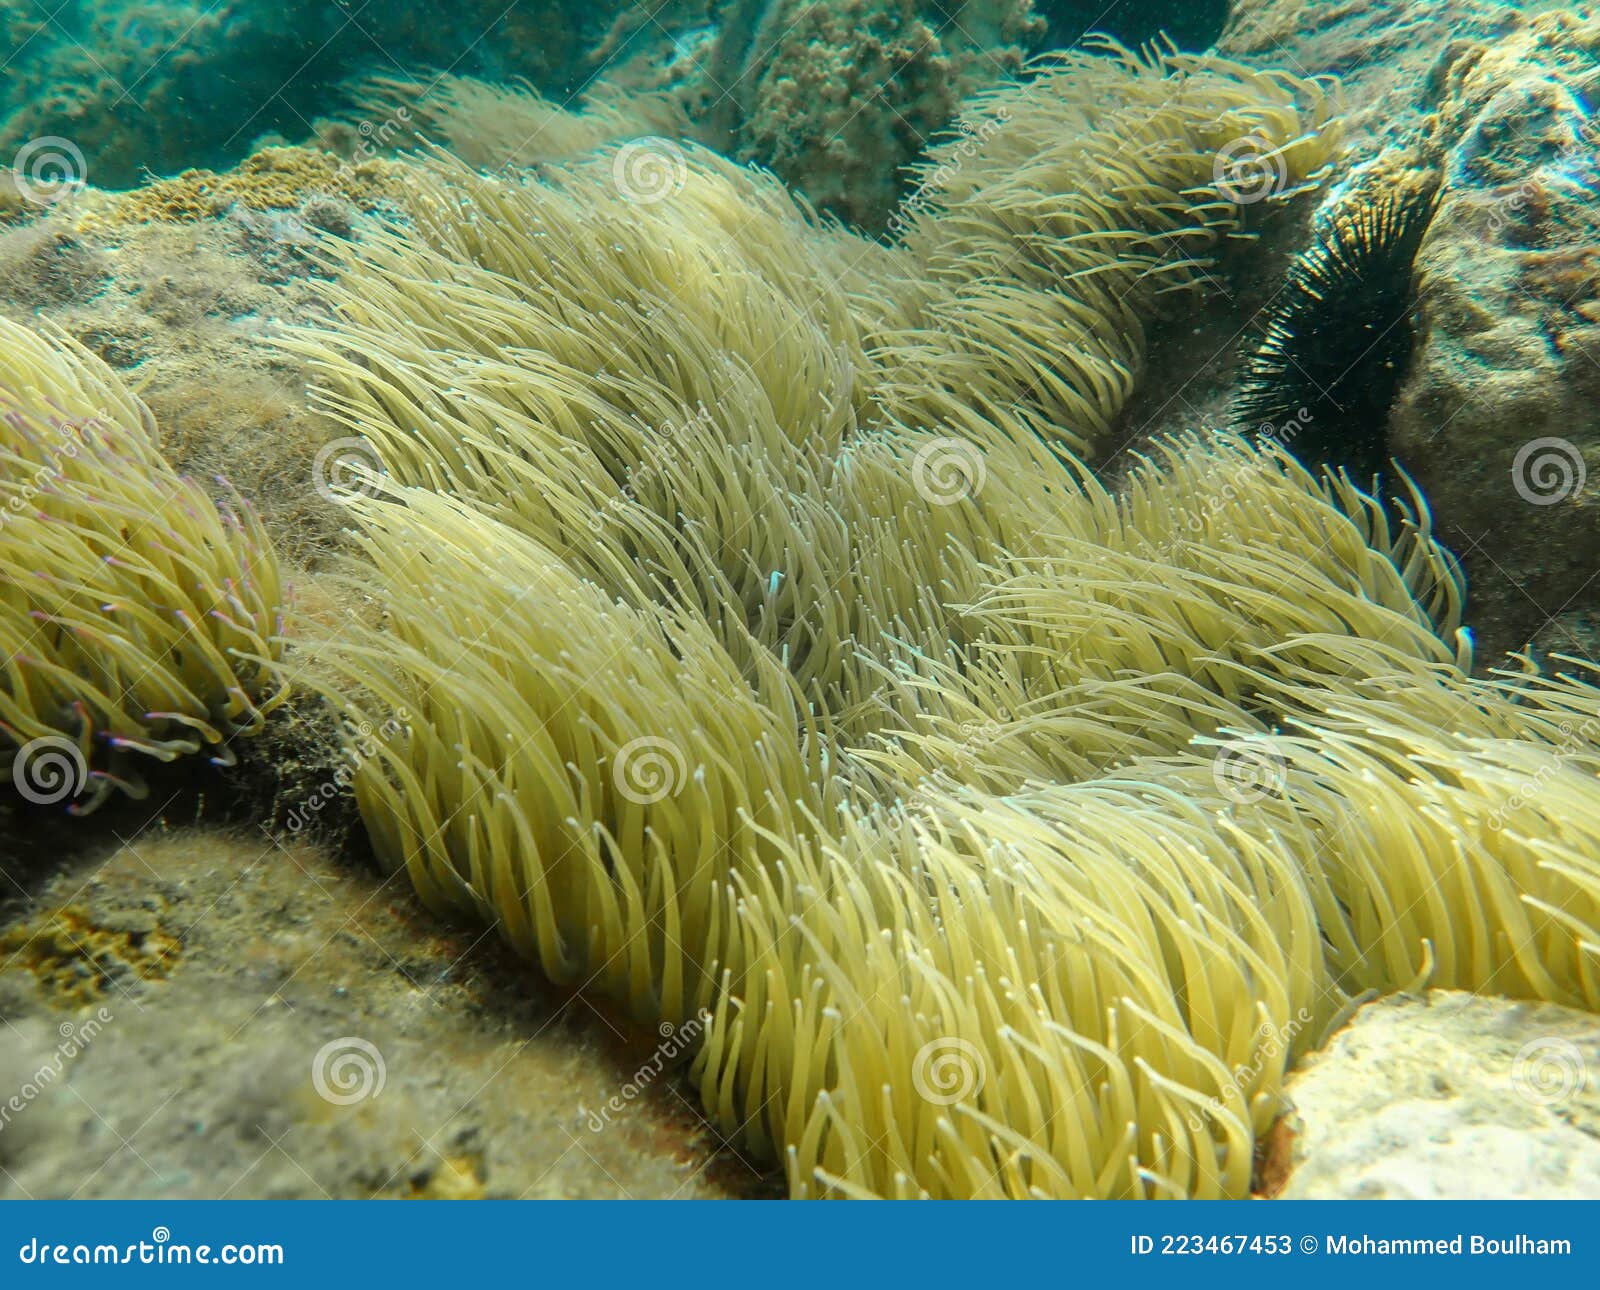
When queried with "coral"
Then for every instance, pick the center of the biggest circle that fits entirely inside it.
(79, 957)
(113, 81)
(137, 620)
(734, 667)
(839, 98)
(1338, 339)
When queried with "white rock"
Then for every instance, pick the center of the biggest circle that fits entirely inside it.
(1450, 1096)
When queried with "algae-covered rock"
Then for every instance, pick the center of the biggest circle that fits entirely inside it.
(199, 1013)
(1497, 415)
(1450, 1097)
(839, 98)
(1382, 51)
(1500, 418)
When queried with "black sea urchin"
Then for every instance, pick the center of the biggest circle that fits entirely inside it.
(1339, 337)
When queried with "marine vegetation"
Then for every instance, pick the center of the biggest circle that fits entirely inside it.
(490, 125)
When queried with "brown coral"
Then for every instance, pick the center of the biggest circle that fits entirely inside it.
(847, 94)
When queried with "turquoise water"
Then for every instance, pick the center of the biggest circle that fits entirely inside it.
(137, 88)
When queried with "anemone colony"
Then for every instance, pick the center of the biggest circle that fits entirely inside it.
(754, 642)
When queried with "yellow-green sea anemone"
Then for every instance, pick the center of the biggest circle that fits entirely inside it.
(763, 651)
(137, 619)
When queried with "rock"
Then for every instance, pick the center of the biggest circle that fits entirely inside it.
(1450, 1096)
(1382, 51)
(1498, 418)
(180, 302)
(295, 1027)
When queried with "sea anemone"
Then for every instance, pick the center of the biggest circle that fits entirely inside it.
(1337, 340)
(498, 125)
(137, 619)
(755, 649)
